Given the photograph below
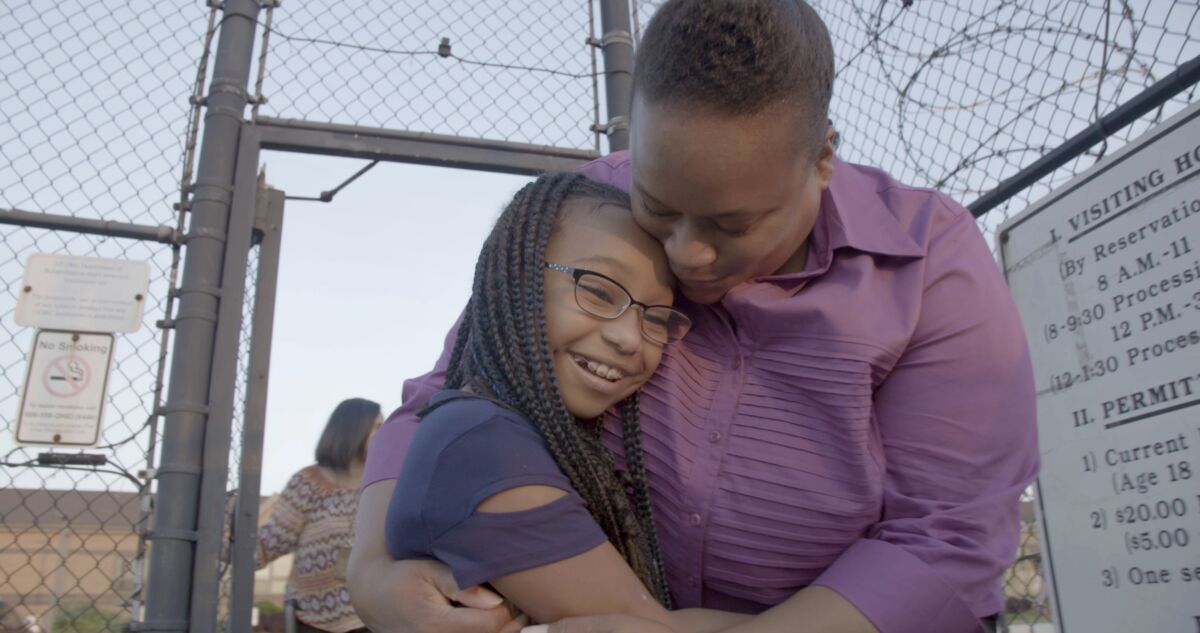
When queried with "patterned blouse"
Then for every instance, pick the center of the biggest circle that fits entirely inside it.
(314, 518)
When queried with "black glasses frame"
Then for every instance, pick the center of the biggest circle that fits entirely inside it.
(579, 273)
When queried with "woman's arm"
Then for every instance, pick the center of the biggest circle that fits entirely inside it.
(281, 531)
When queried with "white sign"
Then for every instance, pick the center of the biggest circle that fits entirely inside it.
(82, 294)
(1106, 274)
(62, 403)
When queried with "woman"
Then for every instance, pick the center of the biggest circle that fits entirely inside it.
(314, 519)
(841, 441)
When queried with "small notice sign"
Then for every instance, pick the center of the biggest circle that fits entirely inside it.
(82, 294)
(62, 403)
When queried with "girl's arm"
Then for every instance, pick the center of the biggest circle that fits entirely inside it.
(812, 610)
(410, 596)
(816, 608)
(594, 582)
(707, 620)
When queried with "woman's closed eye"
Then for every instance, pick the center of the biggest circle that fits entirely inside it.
(734, 231)
(658, 214)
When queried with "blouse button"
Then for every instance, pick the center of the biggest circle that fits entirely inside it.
(714, 437)
(694, 519)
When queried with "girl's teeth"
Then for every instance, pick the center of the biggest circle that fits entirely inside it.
(603, 371)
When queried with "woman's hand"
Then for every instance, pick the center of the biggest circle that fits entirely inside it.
(421, 597)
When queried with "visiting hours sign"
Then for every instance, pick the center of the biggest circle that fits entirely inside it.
(1106, 274)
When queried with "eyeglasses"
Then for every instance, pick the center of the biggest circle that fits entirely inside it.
(606, 299)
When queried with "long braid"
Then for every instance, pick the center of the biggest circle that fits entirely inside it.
(502, 352)
(635, 463)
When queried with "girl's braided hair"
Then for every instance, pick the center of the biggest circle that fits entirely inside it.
(502, 353)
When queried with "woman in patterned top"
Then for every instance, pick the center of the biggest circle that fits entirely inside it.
(314, 518)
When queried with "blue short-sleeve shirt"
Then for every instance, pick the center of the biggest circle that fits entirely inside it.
(465, 450)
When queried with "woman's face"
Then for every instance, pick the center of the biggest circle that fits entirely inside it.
(730, 198)
(601, 362)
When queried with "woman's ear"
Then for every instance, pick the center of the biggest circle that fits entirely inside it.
(824, 161)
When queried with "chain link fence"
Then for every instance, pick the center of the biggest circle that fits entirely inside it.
(520, 72)
(232, 490)
(95, 124)
(959, 96)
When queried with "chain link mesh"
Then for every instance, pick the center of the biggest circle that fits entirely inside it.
(509, 71)
(95, 122)
(958, 96)
(240, 390)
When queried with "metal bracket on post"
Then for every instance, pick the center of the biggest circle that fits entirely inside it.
(260, 220)
(615, 124)
(610, 38)
(157, 625)
(173, 535)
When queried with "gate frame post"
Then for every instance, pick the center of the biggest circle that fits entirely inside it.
(170, 596)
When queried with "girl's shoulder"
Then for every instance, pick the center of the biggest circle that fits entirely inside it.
(453, 414)
(466, 449)
(470, 443)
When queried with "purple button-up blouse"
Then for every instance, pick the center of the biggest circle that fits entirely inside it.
(866, 425)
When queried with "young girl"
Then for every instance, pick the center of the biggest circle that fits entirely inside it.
(506, 480)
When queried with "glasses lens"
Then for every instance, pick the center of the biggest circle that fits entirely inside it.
(600, 297)
(665, 325)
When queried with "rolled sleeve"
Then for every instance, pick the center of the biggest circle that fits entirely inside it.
(957, 419)
(896, 590)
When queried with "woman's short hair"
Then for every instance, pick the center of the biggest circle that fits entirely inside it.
(344, 440)
(737, 58)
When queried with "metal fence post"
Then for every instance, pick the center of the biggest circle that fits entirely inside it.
(269, 225)
(617, 43)
(169, 581)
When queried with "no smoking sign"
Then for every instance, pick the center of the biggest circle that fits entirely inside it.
(63, 402)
